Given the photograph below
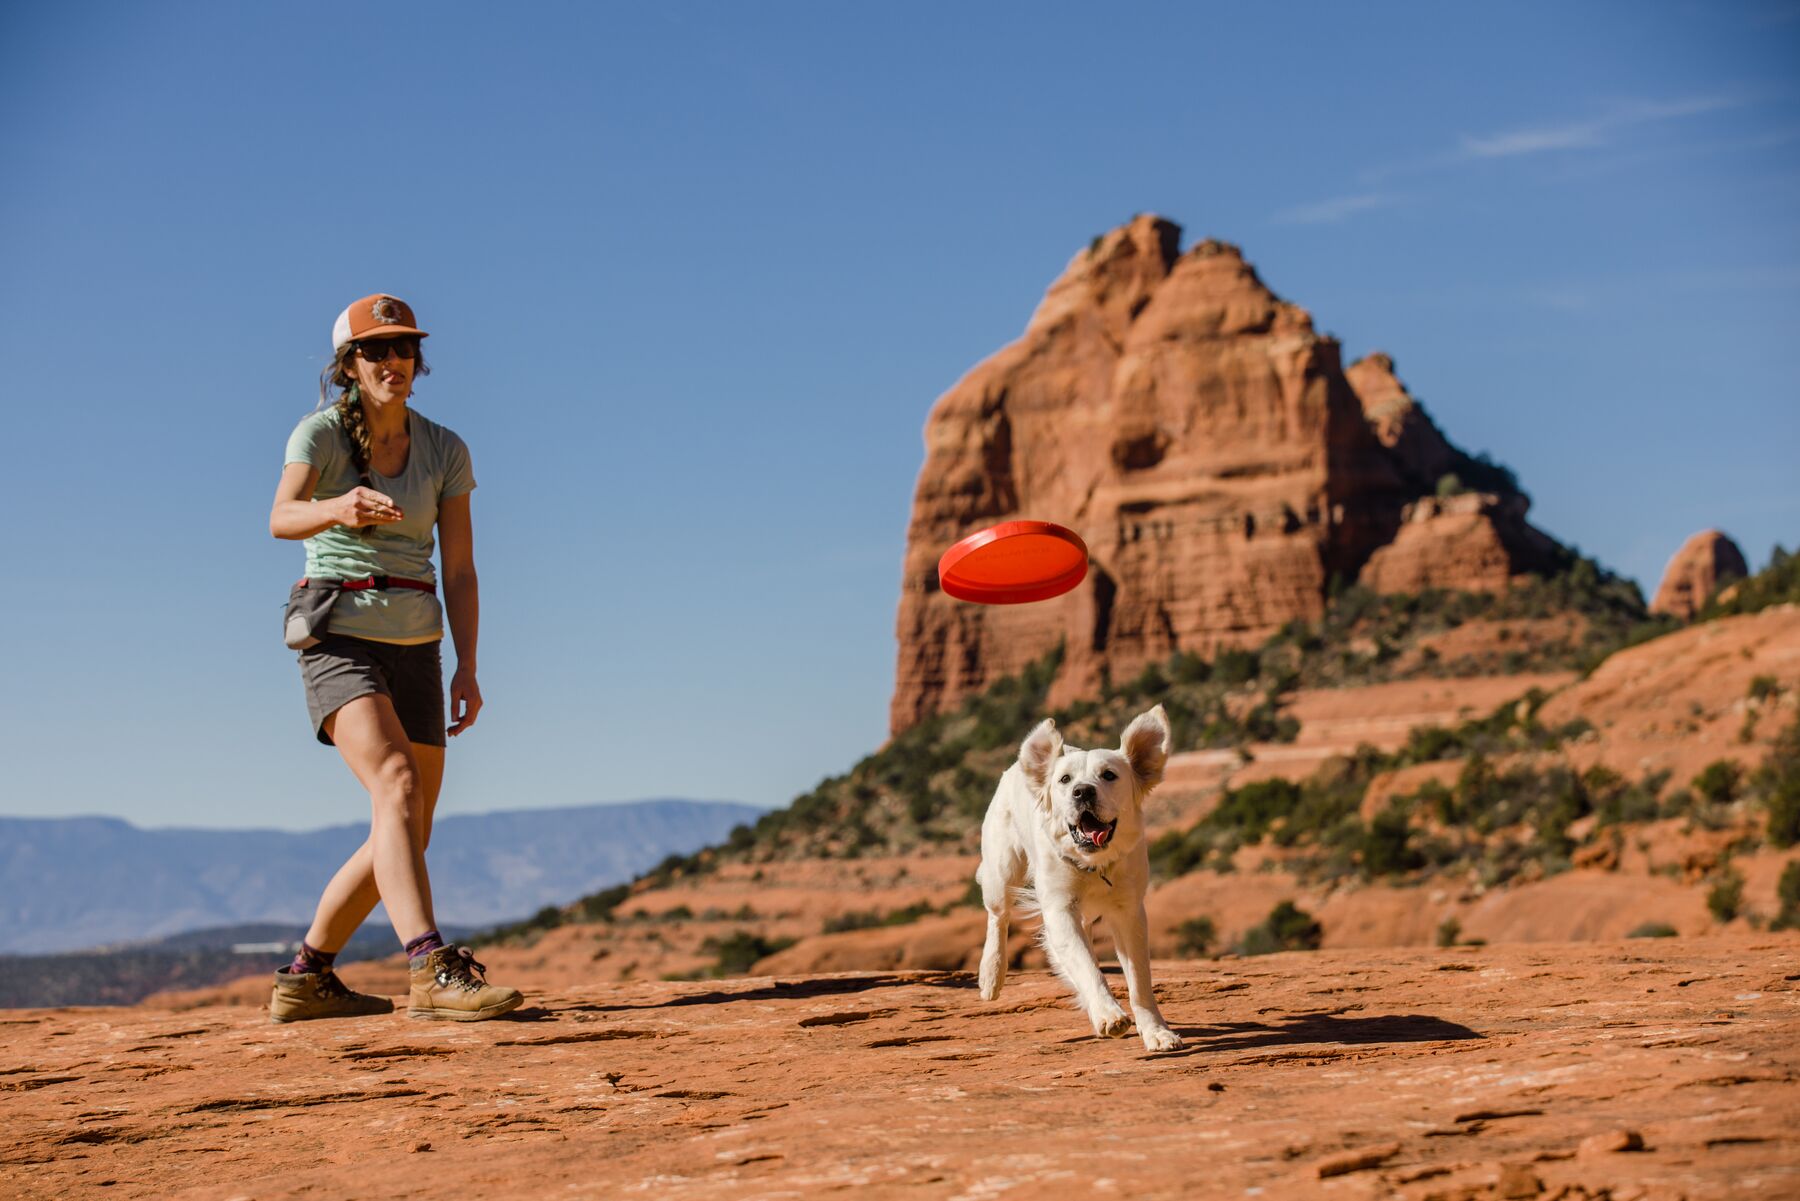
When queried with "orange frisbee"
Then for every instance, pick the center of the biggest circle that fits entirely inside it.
(1013, 563)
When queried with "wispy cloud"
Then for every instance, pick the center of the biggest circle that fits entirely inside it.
(1335, 209)
(1589, 134)
(1605, 131)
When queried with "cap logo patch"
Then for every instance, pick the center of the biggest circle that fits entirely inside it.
(386, 310)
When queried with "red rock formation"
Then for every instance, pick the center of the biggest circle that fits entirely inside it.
(1208, 445)
(1705, 562)
(1401, 424)
(1475, 541)
(1450, 538)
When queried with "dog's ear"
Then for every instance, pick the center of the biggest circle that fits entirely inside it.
(1039, 753)
(1146, 744)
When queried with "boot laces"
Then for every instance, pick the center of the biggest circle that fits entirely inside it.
(330, 986)
(460, 967)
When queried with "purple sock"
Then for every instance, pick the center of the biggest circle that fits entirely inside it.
(310, 959)
(423, 945)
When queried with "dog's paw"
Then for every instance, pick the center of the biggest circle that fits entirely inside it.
(990, 990)
(1160, 1039)
(1111, 1023)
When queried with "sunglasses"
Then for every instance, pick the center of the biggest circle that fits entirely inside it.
(377, 350)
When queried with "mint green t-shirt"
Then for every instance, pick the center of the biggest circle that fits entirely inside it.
(437, 467)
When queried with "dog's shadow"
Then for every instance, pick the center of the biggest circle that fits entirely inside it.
(1303, 1028)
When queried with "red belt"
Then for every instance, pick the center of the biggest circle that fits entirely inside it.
(377, 581)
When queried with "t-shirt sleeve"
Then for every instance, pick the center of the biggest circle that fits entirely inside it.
(459, 472)
(314, 443)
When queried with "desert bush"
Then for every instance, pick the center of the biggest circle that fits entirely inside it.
(1188, 668)
(1448, 931)
(1617, 800)
(1234, 665)
(1194, 938)
(1249, 811)
(1764, 687)
(1287, 928)
(1787, 894)
(1678, 803)
(871, 919)
(1179, 852)
(1725, 899)
(740, 951)
(1387, 848)
(1653, 930)
(1718, 781)
(1777, 784)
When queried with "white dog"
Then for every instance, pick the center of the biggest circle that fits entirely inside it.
(1072, 821)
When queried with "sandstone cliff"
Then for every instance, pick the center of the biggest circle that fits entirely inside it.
(1704, 563)
(1218, 459)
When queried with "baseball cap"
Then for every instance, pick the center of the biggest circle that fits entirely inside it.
(374, 316)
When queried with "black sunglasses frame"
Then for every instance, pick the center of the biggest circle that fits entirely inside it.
(406, 346)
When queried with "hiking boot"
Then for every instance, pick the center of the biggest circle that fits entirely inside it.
(301, 996)
(449, 986)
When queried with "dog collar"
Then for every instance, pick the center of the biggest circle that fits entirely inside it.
(1079, 866)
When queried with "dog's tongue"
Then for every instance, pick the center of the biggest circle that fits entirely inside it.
(1101, 835)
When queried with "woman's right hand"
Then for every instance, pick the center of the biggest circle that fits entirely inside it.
(364, 506)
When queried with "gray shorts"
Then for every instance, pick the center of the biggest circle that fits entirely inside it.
(341, 668)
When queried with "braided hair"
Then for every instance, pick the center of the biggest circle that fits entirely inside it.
(355, 419)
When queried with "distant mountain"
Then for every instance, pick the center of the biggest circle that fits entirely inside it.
(72, 883)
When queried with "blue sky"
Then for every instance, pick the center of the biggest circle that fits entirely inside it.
(694, 276)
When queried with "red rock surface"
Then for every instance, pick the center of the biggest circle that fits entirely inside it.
(1704, 563)
(1651, 1070)
(1681, 701)
(1208, 445)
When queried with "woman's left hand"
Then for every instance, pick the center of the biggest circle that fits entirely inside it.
(465, 700)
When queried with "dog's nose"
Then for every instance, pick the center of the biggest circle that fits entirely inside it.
(1085, 793)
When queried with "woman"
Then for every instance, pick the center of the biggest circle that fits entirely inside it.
(366, 479)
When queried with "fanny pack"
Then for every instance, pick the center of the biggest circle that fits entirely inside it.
(310, 603)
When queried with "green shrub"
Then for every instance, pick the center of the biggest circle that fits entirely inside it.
(1178, 852)
(1653, 930)
(1725, 899)
(1250, 810)
(870, 919)
(1387, 848)
(1448, 931)
(1777, 784)
(1194, 938)
(1764, 687)
(1427, 744)
(1787, 892)
(1287, 928)
(1233, 666)
(1188, 668)
(741, 950)
(1718, 781)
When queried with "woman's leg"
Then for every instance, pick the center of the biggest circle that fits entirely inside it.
(368, 734)
(352, 894)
